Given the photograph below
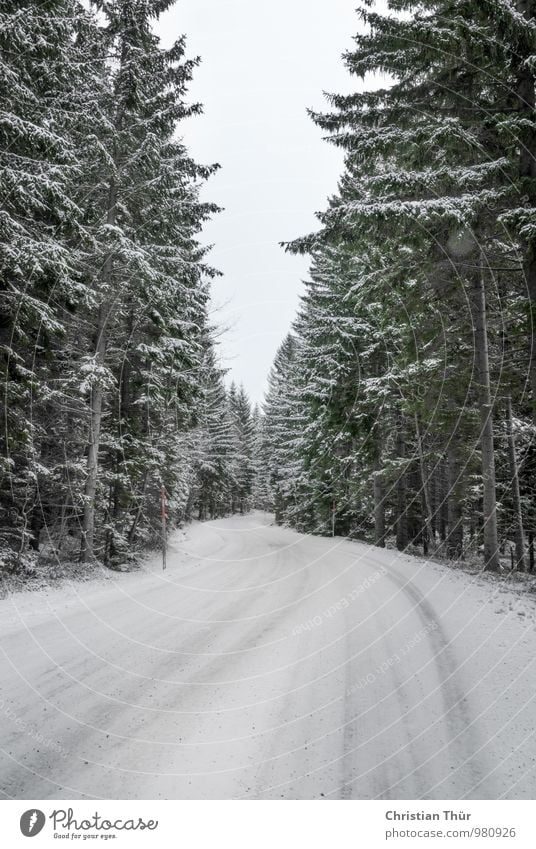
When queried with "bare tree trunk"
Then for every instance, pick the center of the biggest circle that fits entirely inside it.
(139, 509)
(63, 523)
(454, 504)
(379, 510)
(526, 93)
(379, 493)
(491, 545)
(401, 506)
(36, 524)
(435, 497)
(443, 507)
(428, 533)
(516, 494)
(97, 394)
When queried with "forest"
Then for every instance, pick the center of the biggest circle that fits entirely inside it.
(400, 407)
(112, 392)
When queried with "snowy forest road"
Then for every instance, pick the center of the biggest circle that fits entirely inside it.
(266, 664)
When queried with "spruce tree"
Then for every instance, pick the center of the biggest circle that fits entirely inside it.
(414, 267)
(148, 263)
(46, 86)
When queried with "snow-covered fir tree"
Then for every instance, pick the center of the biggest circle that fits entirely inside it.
(224, 459)
(47, 90)
(417, 285)
(105, 284)
(240, 408)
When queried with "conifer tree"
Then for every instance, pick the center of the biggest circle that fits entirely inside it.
(416, 256)
(148, 263)
(105, 283)
(261, 489)
(240, 409)
(46, 86)
(216, 468)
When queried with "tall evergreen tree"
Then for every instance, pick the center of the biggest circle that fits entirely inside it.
(216, 460)
(240, 408)
(105, 284)
(46, 91)
(399, 340)
(148, 263)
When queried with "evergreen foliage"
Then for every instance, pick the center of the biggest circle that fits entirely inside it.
(410, 338)
(109, 376)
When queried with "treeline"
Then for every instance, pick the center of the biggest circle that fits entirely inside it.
(111, 390)
(402, 405)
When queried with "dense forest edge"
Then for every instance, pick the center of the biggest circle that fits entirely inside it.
(113, 397)
(401, 406)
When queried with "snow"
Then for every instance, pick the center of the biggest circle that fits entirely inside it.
(268, 664)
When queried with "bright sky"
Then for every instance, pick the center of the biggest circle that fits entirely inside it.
(263, 64)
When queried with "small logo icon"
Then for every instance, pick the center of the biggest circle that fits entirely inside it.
(31, 822)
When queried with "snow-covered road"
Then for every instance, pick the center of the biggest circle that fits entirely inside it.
(266, 664)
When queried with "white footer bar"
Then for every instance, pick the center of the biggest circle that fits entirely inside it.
(270, 825)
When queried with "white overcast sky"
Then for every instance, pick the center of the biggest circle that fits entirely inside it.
(263, 64)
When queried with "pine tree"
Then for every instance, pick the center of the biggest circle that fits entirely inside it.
(148, 262)
(45, 86)
(390, 192)
(105, 283)
(215, 465)
(240, 408)
(414, 263)
(261, 489)
(281, 429)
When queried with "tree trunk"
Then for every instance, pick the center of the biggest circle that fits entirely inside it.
(97, 394)
(401, 506)
(379, 510)
(526, 93)
(516, 495)
(427, 531)
(434, 498)
(454, 504)
(36, 523)
(443, 507)
(379, 494)
(88, 522)
(491, 546)
(139, 509)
